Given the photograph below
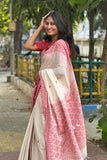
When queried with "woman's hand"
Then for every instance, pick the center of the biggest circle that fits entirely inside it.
(43, 20)
(37, 78)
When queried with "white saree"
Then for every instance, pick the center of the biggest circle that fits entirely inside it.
(56, 127)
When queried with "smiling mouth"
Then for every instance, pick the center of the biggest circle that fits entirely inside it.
(49, 31)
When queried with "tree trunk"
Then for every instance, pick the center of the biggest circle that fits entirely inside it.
(73, 55)
(104, 67)
(91, 41)
(103, 9)
(18, 36)
(91, 35)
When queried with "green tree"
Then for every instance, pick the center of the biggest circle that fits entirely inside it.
(102, 5)
(34, 10)
(90, 7)
(4, 17)
(25, 12)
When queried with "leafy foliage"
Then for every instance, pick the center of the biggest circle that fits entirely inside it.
(99, 22)
(31, 10)
(4, 17)
(85, 4)
(102, 122)
(92, 118)
(34, 10)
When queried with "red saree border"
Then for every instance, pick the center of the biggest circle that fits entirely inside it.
(35, 94)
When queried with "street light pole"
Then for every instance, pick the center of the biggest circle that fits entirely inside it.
(11, 42)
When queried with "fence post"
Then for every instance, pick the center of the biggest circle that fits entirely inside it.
(90, 70)
(16, 61)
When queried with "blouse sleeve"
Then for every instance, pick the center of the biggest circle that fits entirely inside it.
(41, 45)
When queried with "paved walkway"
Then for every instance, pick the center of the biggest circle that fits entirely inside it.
(14, 116)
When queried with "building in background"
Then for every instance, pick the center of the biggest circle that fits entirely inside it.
(82, 39)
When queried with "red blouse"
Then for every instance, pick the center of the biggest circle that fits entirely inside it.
(41, 45)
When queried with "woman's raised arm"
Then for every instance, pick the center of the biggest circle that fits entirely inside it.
(31, 40)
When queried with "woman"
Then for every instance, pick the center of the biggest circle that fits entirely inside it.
(56, 127)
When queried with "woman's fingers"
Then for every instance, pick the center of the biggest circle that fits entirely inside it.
(37, 78)
(43, 20)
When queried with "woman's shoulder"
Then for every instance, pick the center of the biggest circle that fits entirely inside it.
(62, 43)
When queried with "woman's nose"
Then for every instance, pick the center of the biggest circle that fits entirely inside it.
(49, 25)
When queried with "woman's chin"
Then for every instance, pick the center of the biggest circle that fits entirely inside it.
(50, 34)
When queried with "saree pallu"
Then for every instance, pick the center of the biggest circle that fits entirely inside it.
(63, 124)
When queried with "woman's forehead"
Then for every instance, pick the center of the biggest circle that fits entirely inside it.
(49, 19)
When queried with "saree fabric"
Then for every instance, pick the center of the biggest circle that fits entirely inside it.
(63, 136)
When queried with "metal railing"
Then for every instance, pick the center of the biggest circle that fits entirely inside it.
(88, 74)
(26, 67)
(89, 85)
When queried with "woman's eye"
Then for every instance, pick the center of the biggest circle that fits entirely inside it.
(47, 23)
(52, 24)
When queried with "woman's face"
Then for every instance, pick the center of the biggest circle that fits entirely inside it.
(50, 27)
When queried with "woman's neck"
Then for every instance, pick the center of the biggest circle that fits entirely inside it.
(54, 38)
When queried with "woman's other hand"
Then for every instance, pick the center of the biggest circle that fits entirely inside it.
(37, 78)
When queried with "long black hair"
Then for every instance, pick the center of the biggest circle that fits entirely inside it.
(61, 24)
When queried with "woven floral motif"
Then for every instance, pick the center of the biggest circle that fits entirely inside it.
(65, 137)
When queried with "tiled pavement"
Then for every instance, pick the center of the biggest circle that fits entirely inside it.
(9, 156)
(94, 153)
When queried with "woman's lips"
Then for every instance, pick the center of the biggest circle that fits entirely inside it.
(49, 31)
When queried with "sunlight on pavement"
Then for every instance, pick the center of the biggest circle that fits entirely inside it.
(10, 141)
